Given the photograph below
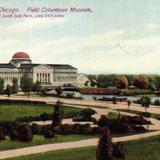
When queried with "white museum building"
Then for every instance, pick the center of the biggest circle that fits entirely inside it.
(47, 74)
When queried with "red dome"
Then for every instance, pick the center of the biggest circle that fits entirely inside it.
(21, 55)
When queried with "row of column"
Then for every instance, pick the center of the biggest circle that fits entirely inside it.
(43, 77)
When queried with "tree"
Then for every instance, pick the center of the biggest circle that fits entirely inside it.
(129, 103)
(93, 83)
(1, 86)
(86, 83)
(156, 82)
(15, 85)
(105, 148)
(122, 82)
(141, 82)
(57, 114)
(106, 80)
(8, 90)
(58, 91)
(26, 84)
(145, 102)
(37, 86)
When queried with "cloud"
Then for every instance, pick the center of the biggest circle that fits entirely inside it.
(34, 23)
(94, 53)
(152, 26)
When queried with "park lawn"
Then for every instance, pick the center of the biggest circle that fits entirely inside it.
(39, 140)
(145, 149)
(10, 112)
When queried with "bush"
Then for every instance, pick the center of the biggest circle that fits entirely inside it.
(2, 136)
(24, 132)
(85, 129)
(85, 115)
(118, 151)
(36, 129)
(121, 128)
(105, 99)
(88, 112)
(13, 135)
(114, 100)
(105, 148)
(49, 134)
(156, 102)
(145, 114)
(66, 129)
(139, 129)
(103, 121)
(136, 120)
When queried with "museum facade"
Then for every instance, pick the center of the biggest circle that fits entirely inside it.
(47, 74)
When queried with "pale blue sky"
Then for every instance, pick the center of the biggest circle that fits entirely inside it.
(120, 36)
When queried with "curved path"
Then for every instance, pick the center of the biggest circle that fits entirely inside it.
(82, 143)
(152, 109)
(68, 145)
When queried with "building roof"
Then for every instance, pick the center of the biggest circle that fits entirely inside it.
(21, 55)
(28, 66)
(56, 66)
(6, 65)
(61, 66)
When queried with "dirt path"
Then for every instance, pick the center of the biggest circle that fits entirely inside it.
(68, 145)
(152, 109)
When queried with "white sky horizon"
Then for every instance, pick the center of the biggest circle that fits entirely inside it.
(118, 37)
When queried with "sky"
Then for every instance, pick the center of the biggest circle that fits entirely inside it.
(119, 36)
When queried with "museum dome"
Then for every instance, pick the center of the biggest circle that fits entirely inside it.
(20, 55)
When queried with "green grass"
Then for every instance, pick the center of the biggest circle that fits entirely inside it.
(157, 116)
(13, 111)
(112, 115)
(38, 140)
(145, 149)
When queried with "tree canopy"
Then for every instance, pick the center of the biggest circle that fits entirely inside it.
(26, 84)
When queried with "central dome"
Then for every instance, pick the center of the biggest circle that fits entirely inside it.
(21, 55)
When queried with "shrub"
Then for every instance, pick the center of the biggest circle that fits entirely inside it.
(103, 121)
(88, 112)
(137, 120)
(57, 114)
(121, 128)
(36, 129)
(24, 132)
(85, 115)
(13, 135)
(85, 129)
(104, 149)
(139, 129)
(105, 99)
(66, 129)
(114, 100)
(145, 114)
(96, 130)
(156, 102)
(118, 151)
(49, 134)
(2, 136)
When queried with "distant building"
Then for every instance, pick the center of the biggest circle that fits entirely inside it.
(48, 74)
